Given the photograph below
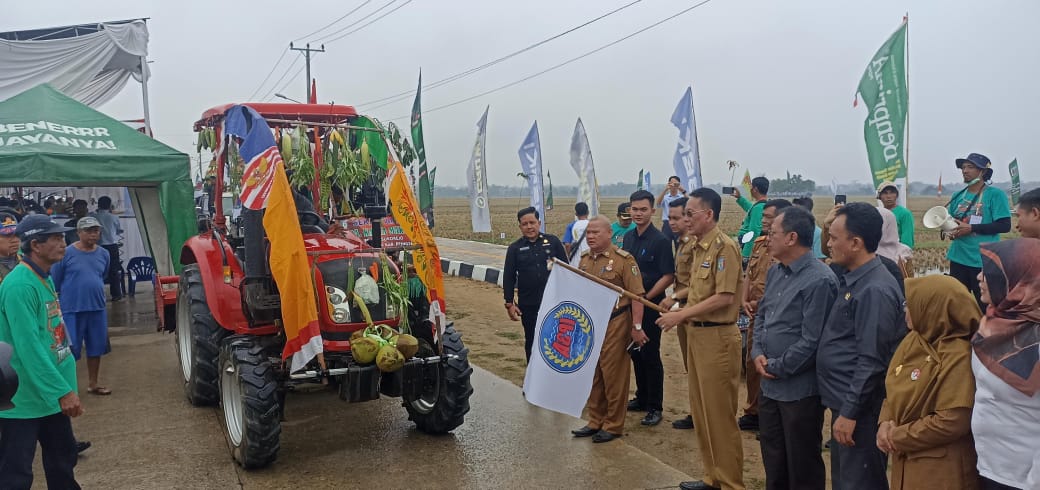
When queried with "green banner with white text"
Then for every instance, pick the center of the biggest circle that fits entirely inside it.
(884, 92)
(1016, 182)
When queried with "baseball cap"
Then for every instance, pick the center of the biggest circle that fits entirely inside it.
(87, 222)
(885, 185)
(36, 225)
(8, 223)
(623, 208)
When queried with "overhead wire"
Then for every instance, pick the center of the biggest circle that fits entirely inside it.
(268, 77)
(562, 64)
(286, 50)
(373, 21)
(275, 90)
(390, 99)
(356, 22)
(330, 24)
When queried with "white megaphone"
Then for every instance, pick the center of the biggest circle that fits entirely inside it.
(939, 217)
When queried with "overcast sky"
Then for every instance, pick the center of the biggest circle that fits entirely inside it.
(773, 81)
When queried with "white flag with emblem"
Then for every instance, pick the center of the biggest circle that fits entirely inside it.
(572, 324)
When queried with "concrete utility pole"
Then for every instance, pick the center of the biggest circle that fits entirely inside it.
(307, 56)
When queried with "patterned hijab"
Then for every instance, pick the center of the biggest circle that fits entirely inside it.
(1008, 342)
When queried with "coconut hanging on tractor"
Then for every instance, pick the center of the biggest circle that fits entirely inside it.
(376, 338)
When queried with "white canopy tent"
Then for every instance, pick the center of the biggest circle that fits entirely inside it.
(90, 62)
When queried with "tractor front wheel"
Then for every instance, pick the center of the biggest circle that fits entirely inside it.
(444, 401)
(249, 399)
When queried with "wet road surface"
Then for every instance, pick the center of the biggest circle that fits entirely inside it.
(146, 435)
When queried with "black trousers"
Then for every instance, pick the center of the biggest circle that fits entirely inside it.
(969, 277)
(18, 438)
(791, 434)
(528, 317)
(648, 367)
(115, 271)
(987, 484)
(863, 466)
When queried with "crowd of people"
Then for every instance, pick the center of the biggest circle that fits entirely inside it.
(930, 382)
(53, 312)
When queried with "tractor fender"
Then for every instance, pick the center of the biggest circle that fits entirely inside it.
(225, 300)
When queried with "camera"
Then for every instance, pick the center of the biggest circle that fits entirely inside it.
(840, 199)
(728, 190)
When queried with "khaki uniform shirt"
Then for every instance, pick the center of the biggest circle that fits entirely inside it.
(683, 264)
(757, 267)
(716, 269)
(617, 267)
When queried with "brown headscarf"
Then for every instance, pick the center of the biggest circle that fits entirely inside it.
(1008, 342)
(931, 369)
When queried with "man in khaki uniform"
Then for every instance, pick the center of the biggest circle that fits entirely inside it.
(609, 396)
(683, 256)
(713, 344)
(754, 290)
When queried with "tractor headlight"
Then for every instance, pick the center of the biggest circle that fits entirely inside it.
(341, 315)
(336, 295)
(339, 307)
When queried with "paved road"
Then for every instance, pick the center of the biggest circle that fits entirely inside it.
(146, 435)
(475, 253)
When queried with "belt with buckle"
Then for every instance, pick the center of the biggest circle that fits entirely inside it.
(620, 311)
(709, 324)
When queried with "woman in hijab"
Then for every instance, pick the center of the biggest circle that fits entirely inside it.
(891, 247)
(926, 418)
(1006, 363)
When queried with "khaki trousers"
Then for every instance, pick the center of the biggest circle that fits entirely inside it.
(714, 365)
(608, 399)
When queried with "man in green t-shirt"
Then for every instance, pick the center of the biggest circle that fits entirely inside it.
(623, 224)
(888, 194)
(30, 320)
(982, 212)
(753, 220)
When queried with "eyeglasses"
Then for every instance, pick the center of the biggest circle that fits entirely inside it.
(690, 214)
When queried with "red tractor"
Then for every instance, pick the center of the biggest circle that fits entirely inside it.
(226, 306)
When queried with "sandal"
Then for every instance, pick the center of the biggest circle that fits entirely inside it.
(99, 390)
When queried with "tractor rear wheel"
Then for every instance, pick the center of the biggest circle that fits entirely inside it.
(444, 402)
(250, 403)
(198, 339)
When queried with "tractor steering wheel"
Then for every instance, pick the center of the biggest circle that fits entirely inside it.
(312, 219)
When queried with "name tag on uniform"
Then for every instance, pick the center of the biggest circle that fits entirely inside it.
(975, 220)
(524, 248)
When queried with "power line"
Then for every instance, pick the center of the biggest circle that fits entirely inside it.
(560, 65)
(330, 24)
(408, 93)
(287, 82)
(356, 22)
(267, 95)
(395, 9)
(268, 77)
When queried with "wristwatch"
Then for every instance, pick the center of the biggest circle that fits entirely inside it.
(638, 327)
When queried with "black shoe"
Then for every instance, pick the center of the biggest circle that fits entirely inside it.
(585, 432)
(634, 405)
(82, 446)
(683, 423)
(604, 436)
(748, 423)
(653, 417)
(696, 485)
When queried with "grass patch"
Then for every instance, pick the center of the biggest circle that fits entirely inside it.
(489, 355)
(510, 335)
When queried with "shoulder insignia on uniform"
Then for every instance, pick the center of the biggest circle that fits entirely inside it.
(623, 253)
(584, 253)
(635, 270)
(722, 264)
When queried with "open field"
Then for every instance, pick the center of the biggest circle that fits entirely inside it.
(453, 221)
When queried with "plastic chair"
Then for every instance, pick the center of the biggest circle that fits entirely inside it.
(139, 269)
